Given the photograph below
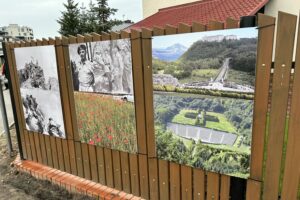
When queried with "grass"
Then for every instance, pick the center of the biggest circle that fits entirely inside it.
(106, 122)
(240, 77)
(200, 75)
(222, 125)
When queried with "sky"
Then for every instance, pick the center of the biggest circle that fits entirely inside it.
(41, 15)
(160, 42)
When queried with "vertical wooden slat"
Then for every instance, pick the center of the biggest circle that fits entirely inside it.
(292, 161)
(93, 163)
(158, 31)
(231, 23)
(199, 184)
(134, 174)
(43, 149)
(37, 147)
(174, 181)
(72, 154)
(54, 152)
(163, 175)
(153, 178)
(197, 27)
(117, 169)
(148, 90)
(184, 28)
(144, 180)
(86, 161)
(60, 154)
(262, 80)
(186, 183)
(109, 174)
(79, 162)
(213, 25)
(137, 64)
(101, 165)
(27, 145)
(283, 61)
(125, 172)
(253, 190)
(169, 29)
(63, 88)
(66, 156)
(48, 151)
(225, 187)
(213, 182)
(32, 146)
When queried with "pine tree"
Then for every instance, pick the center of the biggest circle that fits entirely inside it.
(103, 13)
(70, 20)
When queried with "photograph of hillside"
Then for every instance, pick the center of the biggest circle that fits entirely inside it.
(203, 98)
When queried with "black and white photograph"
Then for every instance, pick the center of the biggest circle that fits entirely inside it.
(102, 67)
(40, 92)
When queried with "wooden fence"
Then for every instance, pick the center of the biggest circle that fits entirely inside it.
(275, 163)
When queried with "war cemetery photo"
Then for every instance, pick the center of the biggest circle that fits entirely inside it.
(203, 98)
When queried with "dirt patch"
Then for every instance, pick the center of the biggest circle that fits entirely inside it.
(15, 185)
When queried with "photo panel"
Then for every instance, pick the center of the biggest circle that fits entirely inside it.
(104, 94)
(40, 92)
(203, 99)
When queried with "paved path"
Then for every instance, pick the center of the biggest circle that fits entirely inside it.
(206, 135)
(223, 72)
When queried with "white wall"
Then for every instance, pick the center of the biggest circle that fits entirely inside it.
(288, 6)
(152, 6)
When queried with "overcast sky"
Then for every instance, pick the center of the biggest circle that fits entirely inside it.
(41, 15)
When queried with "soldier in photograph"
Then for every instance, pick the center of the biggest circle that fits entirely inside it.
(85, 70)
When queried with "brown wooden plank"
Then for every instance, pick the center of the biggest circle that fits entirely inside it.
(96, 37)
(72, 154)
(125, 34)
(70, 89)
(125, 172)
(158, 31)
(184, 28)
(54, 153)
(186, 183)
(213, 182)
(115, 35)
(263, 70)
(101, 165)
(117, 169)
(134, 174)
(231, 23)
(109, 174)
(197, 27)
(93, 163)
(153, 178)
(105, 36)
(253, 190)
(12, 69)
(63, 88)
(148, 90)
(144, 179)
(170, 29)
(79, 160)
(283, 61)
(27, 143)
(66, 156)
(48, 151)
(136, 46)
(86, 161)
(37, 147)
(213, 25)
(199, 184)
(163, 171)
(32, 146)
(43, 148)
(292, 161)
(174, 181)
(225, 187)
(60, 154)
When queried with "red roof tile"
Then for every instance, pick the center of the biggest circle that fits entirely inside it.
(202, 12)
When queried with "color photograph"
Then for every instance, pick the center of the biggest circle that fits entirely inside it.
(103, 93)
(40, 92)
(203, 99)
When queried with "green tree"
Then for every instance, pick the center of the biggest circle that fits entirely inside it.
(103, 14)
(70, 20)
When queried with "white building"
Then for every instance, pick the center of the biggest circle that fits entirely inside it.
(18, 32)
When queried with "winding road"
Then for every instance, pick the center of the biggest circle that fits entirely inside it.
(223, 71)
